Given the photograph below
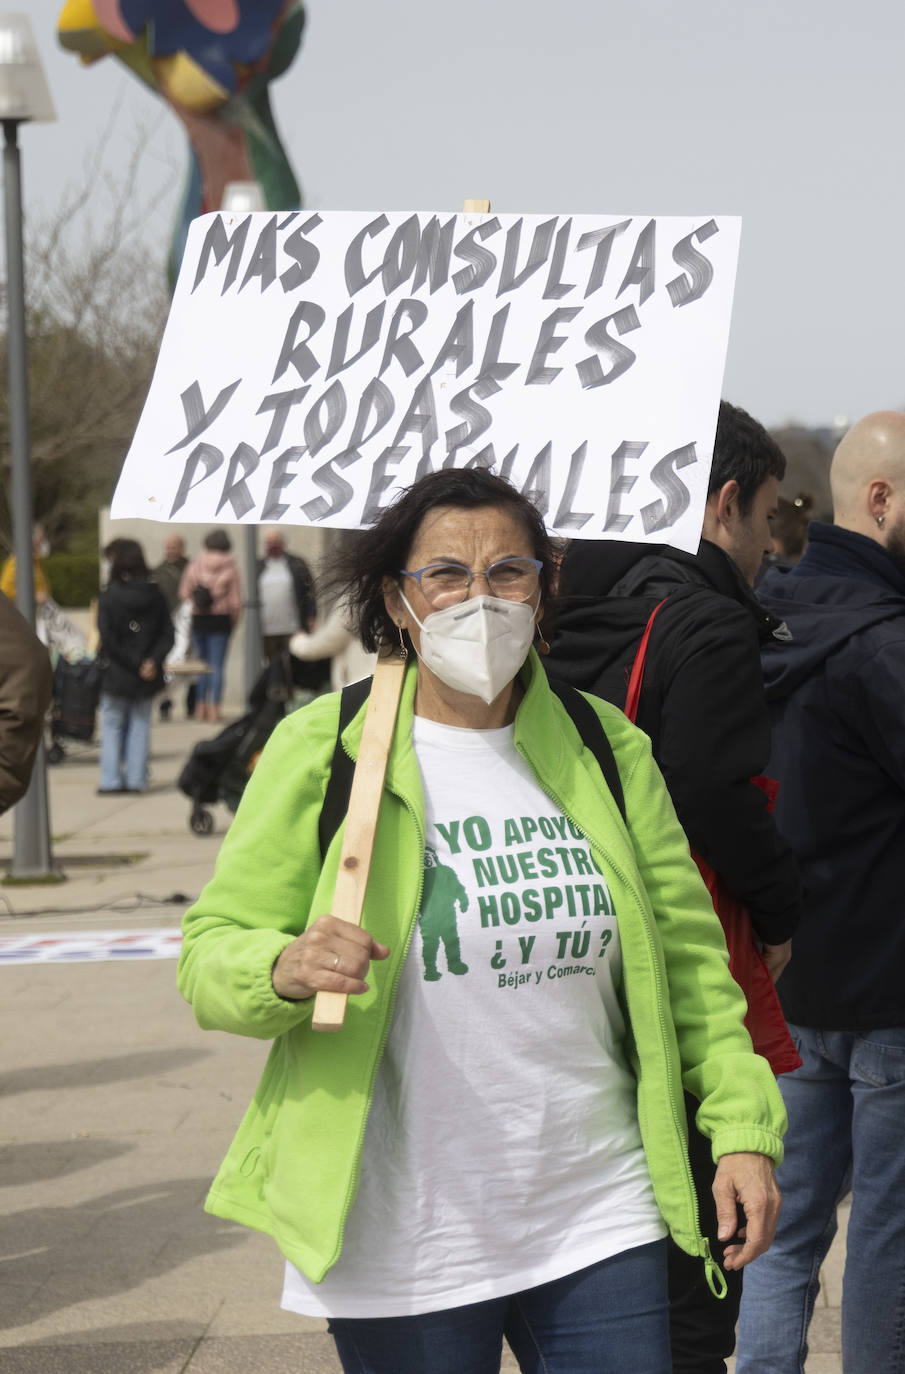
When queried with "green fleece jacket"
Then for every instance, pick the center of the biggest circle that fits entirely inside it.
(293, 1168)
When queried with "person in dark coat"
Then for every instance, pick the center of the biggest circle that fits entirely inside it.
(136, 634)
(836, 693)
(702, 704)
(168, 576)
(26, 687)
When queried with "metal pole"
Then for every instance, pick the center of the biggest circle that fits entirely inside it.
(254, 644)
(31, 819)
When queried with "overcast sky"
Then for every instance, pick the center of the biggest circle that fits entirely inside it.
(791, 115)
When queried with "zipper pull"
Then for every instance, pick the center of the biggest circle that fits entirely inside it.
(716, 1279)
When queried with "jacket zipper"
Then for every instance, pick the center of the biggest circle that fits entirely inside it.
(714, 1275)
(692, 1195)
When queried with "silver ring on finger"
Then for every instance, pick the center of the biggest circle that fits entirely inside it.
(336, 963)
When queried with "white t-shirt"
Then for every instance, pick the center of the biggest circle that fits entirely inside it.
(502, 1149)
(276, 590)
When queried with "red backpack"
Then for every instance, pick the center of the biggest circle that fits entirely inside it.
(764, 1021)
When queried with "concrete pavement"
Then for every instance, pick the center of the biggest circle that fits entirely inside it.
(115, 1111)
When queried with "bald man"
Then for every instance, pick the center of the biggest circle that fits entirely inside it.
(286, 594)
(837, 700)
(168, 575)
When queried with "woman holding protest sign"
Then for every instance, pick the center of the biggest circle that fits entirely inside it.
(494, 1143)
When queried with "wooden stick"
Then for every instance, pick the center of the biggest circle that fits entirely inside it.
(361, 819)
(367, 793)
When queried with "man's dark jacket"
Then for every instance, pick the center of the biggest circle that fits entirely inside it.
(134, 624)
(836, 695)
(168, 576)
(702, 703)
(302, 585)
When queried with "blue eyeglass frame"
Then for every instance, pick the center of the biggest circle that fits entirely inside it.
(417, 573)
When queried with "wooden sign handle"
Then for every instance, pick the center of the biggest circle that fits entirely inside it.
(367, 792)
(361, 819)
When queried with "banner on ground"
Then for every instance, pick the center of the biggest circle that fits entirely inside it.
(90, 946)
(314, 364)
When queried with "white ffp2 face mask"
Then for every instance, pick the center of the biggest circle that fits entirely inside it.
(477, 646)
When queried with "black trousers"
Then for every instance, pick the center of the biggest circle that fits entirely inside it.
(701, 1327)
(275, 644)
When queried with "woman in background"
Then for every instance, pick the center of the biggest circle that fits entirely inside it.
(136, 634)
(211, 583)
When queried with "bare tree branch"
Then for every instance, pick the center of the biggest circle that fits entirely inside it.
(97, 300)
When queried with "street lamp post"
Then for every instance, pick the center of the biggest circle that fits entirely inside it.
(240, 198)
(23, 96)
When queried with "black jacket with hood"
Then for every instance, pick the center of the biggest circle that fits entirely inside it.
(836, 695)
(702, 702)
(134, 624)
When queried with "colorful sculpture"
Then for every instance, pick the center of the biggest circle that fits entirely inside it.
(212, 62)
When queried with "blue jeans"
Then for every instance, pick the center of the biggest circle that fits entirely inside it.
(846, 1107)
(125, 742)
(611, 1318)
(211, 646)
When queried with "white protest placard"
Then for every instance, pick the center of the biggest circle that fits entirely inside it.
(314, 364)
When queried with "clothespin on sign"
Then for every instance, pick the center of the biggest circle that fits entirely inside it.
(367, 792)
(361, 818)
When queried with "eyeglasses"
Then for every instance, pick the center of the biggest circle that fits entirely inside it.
(446, 584)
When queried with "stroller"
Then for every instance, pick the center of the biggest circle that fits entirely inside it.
(218, 769)
(76, 692)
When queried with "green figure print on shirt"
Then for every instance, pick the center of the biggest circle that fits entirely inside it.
(441, 894)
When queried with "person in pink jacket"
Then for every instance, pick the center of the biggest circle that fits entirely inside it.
(211, 583)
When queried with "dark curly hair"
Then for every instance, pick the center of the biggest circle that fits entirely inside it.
(743, 452)
(218, 540)
(372, 554)
(127, 561)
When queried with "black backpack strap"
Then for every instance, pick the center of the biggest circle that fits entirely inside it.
(342, 769)
(593, 737)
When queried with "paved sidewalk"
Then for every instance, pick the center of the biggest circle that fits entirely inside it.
(115, 1111)
(156, 855)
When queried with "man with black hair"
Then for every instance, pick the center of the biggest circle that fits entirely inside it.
(702, 704)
